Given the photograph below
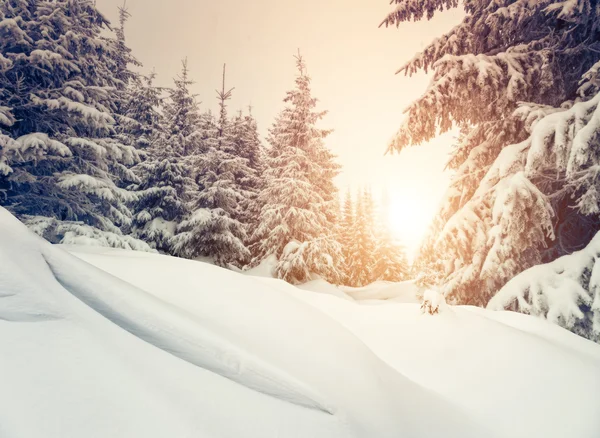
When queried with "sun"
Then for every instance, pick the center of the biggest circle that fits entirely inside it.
(409, 219)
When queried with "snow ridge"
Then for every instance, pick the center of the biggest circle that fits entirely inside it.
(168, 328)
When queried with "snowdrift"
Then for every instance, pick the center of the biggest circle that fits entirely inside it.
(402, 292)
(97, 342)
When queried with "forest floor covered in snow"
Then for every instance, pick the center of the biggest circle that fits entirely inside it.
(97, 342)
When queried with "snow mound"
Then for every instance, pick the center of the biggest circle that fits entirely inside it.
(265, 269)
(433, 302)
(323, 287)
(99, 342)
(402, 292)
(168, 347)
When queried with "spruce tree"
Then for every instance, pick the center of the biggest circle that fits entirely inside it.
(520, 80)
(166, 186)
(248, 146)
(297, 219)
(127, 127)
(141, 113)
(390, 260)
(347, 235)
(362, 251)
(182, 117)
(162, 203)
(214, 228)
(62, 77)
(391, 263)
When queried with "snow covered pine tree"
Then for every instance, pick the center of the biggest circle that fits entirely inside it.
(214, 229)
(391, 263)
(520, 79)
(297, 220)
(248, 146)
(63, 165)
(166, 187)
(363, 244)
(347, 235)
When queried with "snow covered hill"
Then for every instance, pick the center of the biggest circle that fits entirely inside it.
(97, 343)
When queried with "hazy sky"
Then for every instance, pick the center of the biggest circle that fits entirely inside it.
(351, 62)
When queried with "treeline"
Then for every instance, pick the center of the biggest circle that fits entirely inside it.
(93, 152)
(370, 251)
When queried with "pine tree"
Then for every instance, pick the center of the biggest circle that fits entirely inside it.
(141, 115)
(162, 203)
(347, 227)
(362, 252)
(126, 127)
(248, 146)
(520, 80)
(297, 220)
(214, 228)
(183, 119)
(62, 78)
(391, 262)
(166, 186)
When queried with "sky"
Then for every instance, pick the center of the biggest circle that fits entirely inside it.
(352, 63)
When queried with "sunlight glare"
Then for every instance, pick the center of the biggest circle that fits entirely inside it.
(409, 219)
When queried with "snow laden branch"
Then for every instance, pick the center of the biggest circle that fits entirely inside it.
(565, 292)
(407, 10)
(493, 84)
(499, 230)
(499, 21)
(518, 59)
(77, 233)
(519, 81)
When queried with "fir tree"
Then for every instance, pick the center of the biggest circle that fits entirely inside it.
(162, 203)
(297, 220)
(520, 80)
(126, 126)
(166, 186)
(141, 115)
(214, 228)
(248, 146)
(362, 251)
(62, 79)
(391, 263)
(183, 120)
(347, 226)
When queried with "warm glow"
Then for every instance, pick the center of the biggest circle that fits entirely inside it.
(409, 219)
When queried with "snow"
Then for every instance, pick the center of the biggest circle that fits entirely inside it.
(404, 291)
(100, 342)
(158, 224)
(77, 233)
(434, 302)
(266, 268)
(86, 112)
(321, 286)
(559, 291)
(33, 142)
(374, 293)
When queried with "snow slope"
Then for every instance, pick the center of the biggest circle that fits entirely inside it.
(97, 342)
(402, 292)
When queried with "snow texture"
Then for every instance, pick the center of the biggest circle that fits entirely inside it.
(105, 342)
(565, 292)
